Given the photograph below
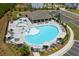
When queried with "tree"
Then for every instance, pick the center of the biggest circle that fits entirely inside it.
(25, 9)
(66, 7)
(25, 50)
(45, 47)
(70, 8)
(62, 41)
(58, 8)
(5, 7)
(57, 16)
(74, 5)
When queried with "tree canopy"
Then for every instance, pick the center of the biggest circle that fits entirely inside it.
(4, 7)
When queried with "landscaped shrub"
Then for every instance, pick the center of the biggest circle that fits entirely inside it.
(66, 7)
(58, 8)
(25, 50)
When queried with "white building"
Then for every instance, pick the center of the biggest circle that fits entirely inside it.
(37, 5)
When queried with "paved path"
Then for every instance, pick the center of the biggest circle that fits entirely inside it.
(36, 54)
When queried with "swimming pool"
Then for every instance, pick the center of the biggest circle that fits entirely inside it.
(47, 33)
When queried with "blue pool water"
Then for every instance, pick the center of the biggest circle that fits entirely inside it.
(47, 33)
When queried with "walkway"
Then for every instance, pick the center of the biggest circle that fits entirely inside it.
(36, 54)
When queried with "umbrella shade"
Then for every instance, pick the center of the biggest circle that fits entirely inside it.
(8, 35)
(46, 43)
(45, 47)
(11, 29)
(9, 38)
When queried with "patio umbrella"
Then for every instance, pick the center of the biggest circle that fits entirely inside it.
(8, 35)
(46, 45)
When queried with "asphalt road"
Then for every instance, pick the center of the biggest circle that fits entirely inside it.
(77, 23)
(66, 19)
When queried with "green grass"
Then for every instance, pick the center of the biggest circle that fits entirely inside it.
(75, 29)
(75, 11)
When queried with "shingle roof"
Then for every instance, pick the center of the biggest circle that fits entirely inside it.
(39, 14)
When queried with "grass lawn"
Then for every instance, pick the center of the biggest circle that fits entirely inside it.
(75, 11)
(75, 29)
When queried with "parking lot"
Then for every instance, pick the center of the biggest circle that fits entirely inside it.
(74, 51)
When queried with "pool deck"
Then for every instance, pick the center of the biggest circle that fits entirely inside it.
(66, 48)
(19, 33)
(18, 30)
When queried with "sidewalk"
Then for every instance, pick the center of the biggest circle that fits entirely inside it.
(36, 54)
